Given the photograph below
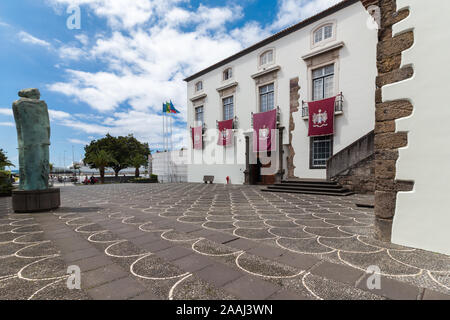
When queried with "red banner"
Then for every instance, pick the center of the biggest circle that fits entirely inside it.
(225, 133)
(197, 137)
(264, 137)
(321, 117)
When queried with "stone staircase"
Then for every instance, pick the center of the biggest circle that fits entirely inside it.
(318, 187)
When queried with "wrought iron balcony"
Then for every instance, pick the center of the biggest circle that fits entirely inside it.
(338, 106)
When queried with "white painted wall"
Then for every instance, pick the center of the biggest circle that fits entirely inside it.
(178, 158)
(355, 78)
(422, 218)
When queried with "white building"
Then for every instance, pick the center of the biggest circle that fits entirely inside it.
(330, 53)
(169, 166)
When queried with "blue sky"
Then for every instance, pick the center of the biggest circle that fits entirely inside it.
(112, 75)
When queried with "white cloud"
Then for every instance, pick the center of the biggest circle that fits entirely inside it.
(6, 111)
(28, 38)
(7, 124)
(77, 141)
(58, 115)
(293, 11)
(152, 45)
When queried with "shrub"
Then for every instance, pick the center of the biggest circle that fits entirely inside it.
(5, 183)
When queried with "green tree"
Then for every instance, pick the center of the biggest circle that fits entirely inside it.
(4, 162)
(137, 161)
(122, 149)
(100, 159)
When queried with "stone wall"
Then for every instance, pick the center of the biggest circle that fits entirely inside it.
(354, 166)
(359, 178)
(387, 139)
(294, 104)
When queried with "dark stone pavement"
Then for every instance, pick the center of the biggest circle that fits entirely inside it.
(196, 241)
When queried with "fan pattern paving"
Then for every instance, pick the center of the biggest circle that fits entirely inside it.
(196, 241)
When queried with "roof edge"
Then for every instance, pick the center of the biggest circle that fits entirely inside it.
(337, 7)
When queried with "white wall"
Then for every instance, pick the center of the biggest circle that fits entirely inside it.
(356, 80)
(422, 218)
(178, 158)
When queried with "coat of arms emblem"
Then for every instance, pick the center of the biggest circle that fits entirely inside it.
(225, 134)
(264, 133)
(320, 119)
(197, 138)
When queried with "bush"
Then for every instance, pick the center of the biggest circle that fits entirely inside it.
(153, 179)
(5, 183)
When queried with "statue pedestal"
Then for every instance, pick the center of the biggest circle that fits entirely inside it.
(36, 201)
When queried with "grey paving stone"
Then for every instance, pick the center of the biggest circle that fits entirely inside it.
(193, 262)
(337, 272)
(72, 244)
(146, 238)
(146, 296)
(219, 274)
(121, 289)
(267, 252)
(101, 276)
(173, 253)
(301, 261)
(391, 289)
(242, 244)
(132, 234)
(156, 246)
(250, 288)
(220, 238)
(81, 254)
(287, 295)
(93, 263)
(433, 295)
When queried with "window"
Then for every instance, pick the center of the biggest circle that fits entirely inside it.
(323, 82)
(228, 108)
(228, 74)
(266, 97)
(323, 33)
(199, 86)
(266, 58)
(321, 151)
(199, 114)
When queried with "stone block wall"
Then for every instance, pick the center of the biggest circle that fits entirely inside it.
(294, 105)
(387, 139)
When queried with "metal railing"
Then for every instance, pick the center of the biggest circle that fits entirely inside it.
(338, 105)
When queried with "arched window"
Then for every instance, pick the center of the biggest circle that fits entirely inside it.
(323, 33)
(199, 86)
(266, 58)
(227, 74)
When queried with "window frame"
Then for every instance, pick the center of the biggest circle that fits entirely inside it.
(323, 77)
(228, 72)
(196, 86)
(322, 27)
(228, 104)
(263, 54)
(266, 94)
(202, 113)
(313, 166)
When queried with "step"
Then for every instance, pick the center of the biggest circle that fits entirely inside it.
(347, 193)
(332, 190)
(309, 182)
(301, 185)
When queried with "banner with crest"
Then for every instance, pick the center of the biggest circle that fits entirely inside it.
(321, 117)
(264, 137)
(197, 138)
(225, 133)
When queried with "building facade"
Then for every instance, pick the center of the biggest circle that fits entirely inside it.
(330, 54)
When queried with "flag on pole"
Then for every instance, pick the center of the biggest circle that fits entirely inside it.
(168, 107)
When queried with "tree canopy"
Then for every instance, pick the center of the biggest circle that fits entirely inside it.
(123, 150)
(4, 162)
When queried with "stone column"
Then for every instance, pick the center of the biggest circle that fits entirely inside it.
(387, 138)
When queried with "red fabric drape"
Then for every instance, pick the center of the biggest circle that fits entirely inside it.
(264, 137)
(225, 133)
(321, 117)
